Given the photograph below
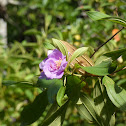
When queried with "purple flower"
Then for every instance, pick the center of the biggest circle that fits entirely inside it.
(53, 66)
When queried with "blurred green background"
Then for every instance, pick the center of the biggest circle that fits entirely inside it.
(30, 25)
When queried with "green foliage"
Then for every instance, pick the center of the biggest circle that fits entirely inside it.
(60, 95)
(116, 54)
(103, 105)
(33, 111)
(94, 15)
(89, 105)
(104, 68)
(61, 47)
(52, 85)
(57, 117)
(115, 93)
(78, 52)
(18, 84)
(73, 86)
(31, 26)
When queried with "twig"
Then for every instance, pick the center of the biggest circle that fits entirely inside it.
(95, 50)
(119, 70)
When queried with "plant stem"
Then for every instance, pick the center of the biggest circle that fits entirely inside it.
(119, 70)
(95, 50)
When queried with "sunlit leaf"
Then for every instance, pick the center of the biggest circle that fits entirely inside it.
(48, 45)
(95, 15)
(60, 95)
(89, 108)
(104, 68)
(116, 94)
(78, 52)
(85, 113)
(103, 104)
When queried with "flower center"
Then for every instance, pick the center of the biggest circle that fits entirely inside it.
(56, 65)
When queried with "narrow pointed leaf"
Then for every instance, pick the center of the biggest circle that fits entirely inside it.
(22, 84)
(95, 15)
(78, 52)
(48, 45)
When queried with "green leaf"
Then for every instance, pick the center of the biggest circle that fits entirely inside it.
(43, 83)
(89, 108)
(60, 95)
(32, 32)
(103, 105)
(104, 68)
(118, 20)
(48, 45)
(73, 86)
(48, 19)
(53, 89)
(116, 94)
(95, 15)
(52, 109)
(112, 120)
(61, 47)
(57, 118)
(85, 113)
(115, 54)
(33, 111)
(24, 56)
(122, 83)
(22, 84)
(78, 52)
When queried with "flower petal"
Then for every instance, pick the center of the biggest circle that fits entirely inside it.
(56, 54)
(42, 75)
(41, 65)
(49, 52)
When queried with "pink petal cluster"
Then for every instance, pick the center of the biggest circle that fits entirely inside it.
(53, 66)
